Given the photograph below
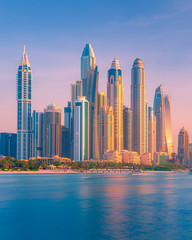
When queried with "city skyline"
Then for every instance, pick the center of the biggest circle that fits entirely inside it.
(65, 104)
(141, 32)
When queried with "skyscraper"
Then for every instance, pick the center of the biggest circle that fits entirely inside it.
(106, 129)
(81, 130)
(183, 146)
(168, 126)
(102, 100)
(115, 100)
(52, 131)
(24, 79)
(92, 97)
(127, 128)
(8, 144)
(76, 91)
(159, 111)
(138, 106)
(66, 143)
(151, 132)
(146, 127)
(162, 109)
(88, 62)
(190, 154)
(37, 134)
(67, 116)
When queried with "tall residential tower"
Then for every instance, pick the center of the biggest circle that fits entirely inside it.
(138, 106)
(183, 146)
(115, 100)
(81, 130)
(162, 110)
(24, 78)
(88, 62)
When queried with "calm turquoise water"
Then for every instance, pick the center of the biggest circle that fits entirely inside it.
(85, 206)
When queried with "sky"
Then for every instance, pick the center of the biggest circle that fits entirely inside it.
(55, 33)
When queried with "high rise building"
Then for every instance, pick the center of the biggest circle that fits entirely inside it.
(115, 100)
(190, 153)
(183, 146)
(8, 144)
(151, 132)
(66, 143)
(92, 97)
(67, 116)
(138, 106)
(168, 126)
(52, 131)
(88, 62)
(37, 134)
(159, 111)
(105, 129)
(127, 128)
(146, 127)
(76, 91)
(162, 109)
(81, 130)
(102, 100)
(24, 80)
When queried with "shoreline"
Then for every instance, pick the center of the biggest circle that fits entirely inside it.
(114, 172)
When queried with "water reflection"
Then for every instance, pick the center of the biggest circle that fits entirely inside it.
(148, 206)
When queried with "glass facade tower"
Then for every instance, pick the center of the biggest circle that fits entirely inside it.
(138, 106)
(81, 130)
(24, 81)
(115, 100)
(88, 62)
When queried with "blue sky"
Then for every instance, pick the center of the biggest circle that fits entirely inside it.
(55, 32)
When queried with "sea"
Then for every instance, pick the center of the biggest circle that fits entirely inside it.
(83, 206)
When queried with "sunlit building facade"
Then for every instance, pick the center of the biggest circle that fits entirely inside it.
(151, 132)
(130, 157)
(105, 129)
(168, 125)
(102, 100)
(138, 106)
(81, 130)
(24, 85)
(146, 126)
(162, 110)
(76, 91)
(92, 97)
(115, 100)
(183, 146)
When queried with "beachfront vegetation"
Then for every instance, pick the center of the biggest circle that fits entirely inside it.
(9, 163)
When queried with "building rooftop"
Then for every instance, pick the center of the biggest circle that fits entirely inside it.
(88, 50)
(24, 59)
(115, 64)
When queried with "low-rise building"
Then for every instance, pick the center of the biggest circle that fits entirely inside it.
(112, 155)
(130, 157)
(160, 158)
(146, 158)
